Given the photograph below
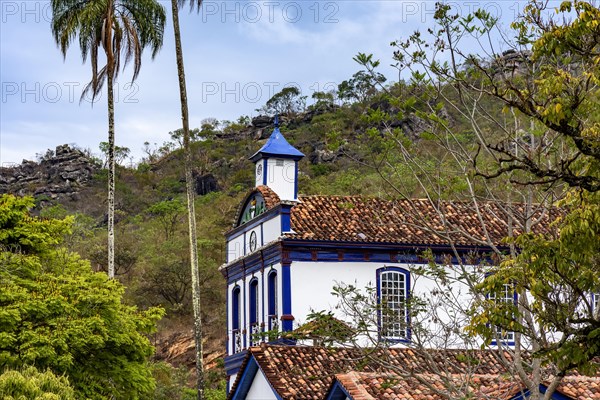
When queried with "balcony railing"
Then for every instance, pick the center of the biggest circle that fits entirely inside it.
(273, 322)
(236, 341)
(255, 334)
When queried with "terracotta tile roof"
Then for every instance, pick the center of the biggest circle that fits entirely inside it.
(307, 372)
(271, 198)
(361, 219)
(581, 387)
(368, 386)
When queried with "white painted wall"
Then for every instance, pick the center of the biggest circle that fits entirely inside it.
(312, 284)
(258, 179)
(244, 285)
(271, 231)
(235, 247)
(260, 388)
(281, 179)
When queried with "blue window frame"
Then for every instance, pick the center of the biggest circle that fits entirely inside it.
(235, 305)
(272, 300)
(393, 291)
(253, 312)
(506, 295)
(236, 320)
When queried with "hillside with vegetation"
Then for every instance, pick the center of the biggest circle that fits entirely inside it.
(151, 257)
(499, 129)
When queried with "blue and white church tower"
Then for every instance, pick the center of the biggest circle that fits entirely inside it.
(258, 280)
(276, 166)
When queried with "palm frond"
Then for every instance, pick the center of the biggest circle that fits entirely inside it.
(127, 26)
(194, 4)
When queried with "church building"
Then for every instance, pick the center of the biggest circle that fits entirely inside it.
(286, 252)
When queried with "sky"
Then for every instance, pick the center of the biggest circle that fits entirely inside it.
(237, 54)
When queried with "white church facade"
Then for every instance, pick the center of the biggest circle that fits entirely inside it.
(286, 253)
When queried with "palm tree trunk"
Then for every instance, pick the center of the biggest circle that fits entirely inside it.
(190, 204)
(110, 64)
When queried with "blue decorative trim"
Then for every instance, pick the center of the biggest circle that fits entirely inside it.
(233, 362)
(286, 218)
(235, 307)
(262, 290)
(253, 299)
(407, 283)
(338, 392)
(296, 180)
(283, 342)
(526, 394)
(278, 147)
(244, 249)
(252, 263)
(326, 252)
(271, 295)
(245, 381)
(228, 348)
(399, 247)
(265, 170)
(502, 343)
(286, 297)
(262, 235)
(243, 328)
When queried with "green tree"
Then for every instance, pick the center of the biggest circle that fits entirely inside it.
(123, 29)
(29, 383)
(549, 78)
(286, 102)
(561, 274)
(323, 100)
(56, 313)
(168, 213)
(361, 87)
(190, 192)
(120, 152)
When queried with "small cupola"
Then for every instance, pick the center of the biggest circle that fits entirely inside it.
(276, 165)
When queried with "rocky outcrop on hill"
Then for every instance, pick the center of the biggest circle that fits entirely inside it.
(206, 184)
(60, 175)
(178, 349)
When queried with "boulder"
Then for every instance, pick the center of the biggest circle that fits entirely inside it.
(58, 175)
(206, 183)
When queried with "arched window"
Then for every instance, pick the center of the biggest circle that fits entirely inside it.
(272, 301)
(236, 316)
(254, 313)
(393, 287)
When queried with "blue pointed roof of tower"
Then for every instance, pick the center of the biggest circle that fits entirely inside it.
(277, 147)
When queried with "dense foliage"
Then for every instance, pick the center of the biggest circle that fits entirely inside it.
(29, 383)
(56, 313)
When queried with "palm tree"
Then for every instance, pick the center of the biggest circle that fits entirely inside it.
(123, 29)
(189, 183)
